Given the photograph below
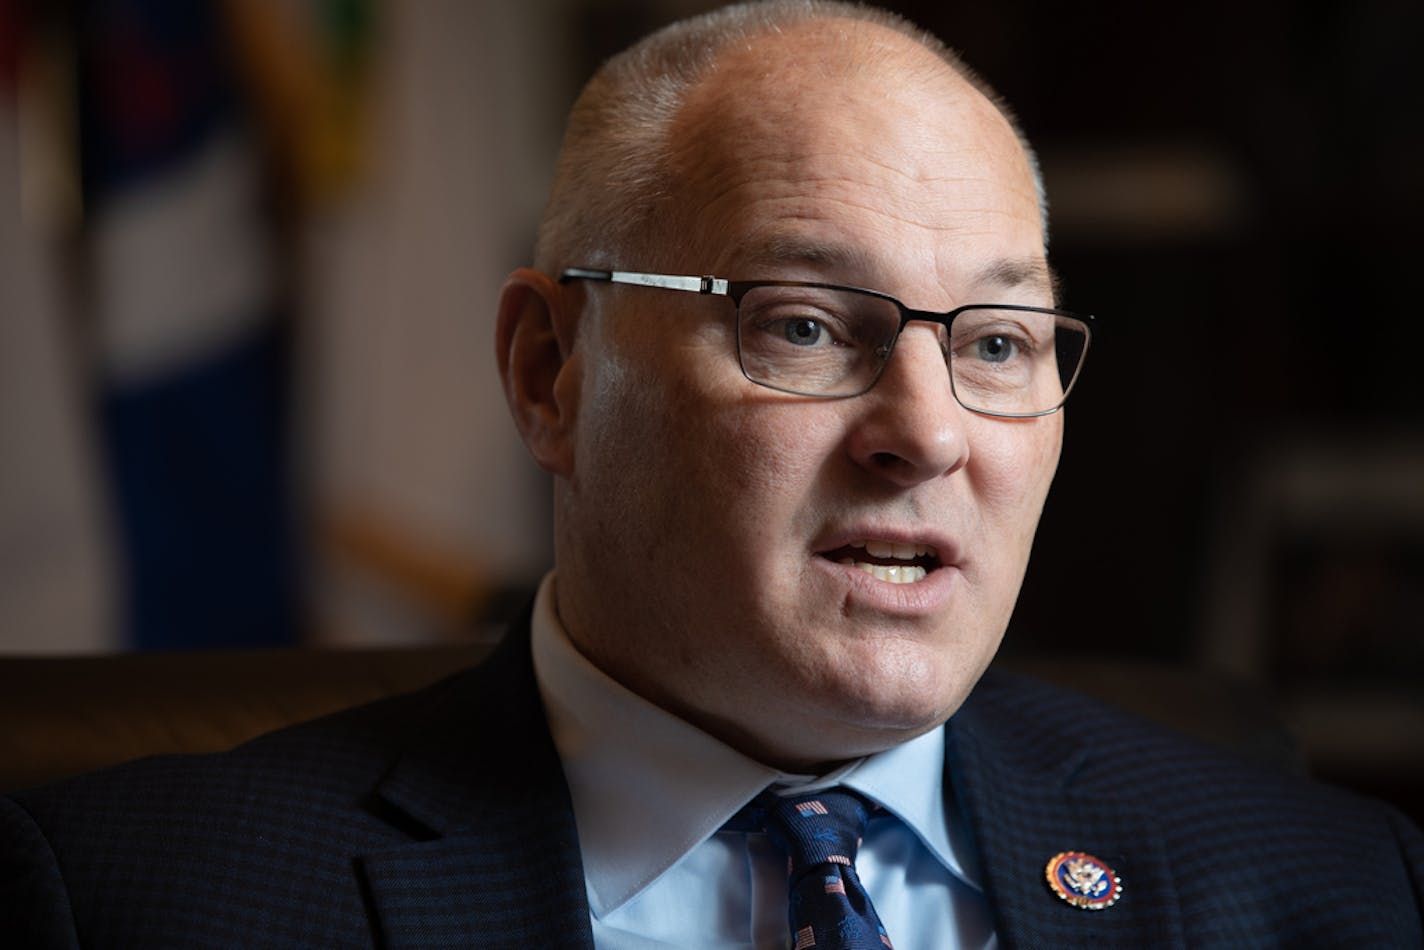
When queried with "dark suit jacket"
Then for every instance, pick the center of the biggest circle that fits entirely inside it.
(442, 818)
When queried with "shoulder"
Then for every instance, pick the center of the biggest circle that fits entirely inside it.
(1130, 754)
(321, 759)
(201, 843)
(264, 795)
(1246, 844)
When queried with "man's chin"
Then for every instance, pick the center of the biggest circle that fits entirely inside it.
(872, 723)
(909, 682)
(900, 719)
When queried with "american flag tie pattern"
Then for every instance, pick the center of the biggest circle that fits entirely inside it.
(820, 834)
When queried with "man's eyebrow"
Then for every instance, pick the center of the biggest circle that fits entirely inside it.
(830, 256)
(1011, 273)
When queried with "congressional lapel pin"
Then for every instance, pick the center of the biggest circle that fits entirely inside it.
(1083, 880)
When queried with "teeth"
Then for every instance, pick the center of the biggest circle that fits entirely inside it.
(895, 575)
(901, 552)
(908, 574)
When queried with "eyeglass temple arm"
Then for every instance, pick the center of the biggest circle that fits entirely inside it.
(697, 285)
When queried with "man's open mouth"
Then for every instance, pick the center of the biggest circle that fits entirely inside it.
(887, 560)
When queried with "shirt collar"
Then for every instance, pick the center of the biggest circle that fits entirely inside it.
(648, 787)
(908, 781)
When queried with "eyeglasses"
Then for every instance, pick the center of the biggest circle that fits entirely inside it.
(826, 341)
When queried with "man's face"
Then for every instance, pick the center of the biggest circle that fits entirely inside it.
(702, 531)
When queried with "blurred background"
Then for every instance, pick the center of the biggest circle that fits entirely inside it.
(249, 253)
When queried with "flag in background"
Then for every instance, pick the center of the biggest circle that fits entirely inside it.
(189, 343)
(56, 556)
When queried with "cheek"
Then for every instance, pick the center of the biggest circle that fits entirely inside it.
(773, 449)
(618, 492)
(657, 449)
(781, 460)
(1015, 463)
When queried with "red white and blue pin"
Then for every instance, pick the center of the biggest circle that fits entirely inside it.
(1083, 880)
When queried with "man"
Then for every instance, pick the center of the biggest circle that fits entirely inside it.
(792, 517)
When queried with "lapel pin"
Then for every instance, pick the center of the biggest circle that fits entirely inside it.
(1083, 880)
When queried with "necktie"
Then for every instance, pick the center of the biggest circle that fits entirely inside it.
(820, 834)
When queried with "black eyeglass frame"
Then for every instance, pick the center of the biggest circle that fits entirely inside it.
(735, 290)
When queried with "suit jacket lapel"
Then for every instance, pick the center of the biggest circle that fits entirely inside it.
(1031, 790)
(495, 859)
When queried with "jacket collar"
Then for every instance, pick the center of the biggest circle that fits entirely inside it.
(1032, 789)
(480, 790)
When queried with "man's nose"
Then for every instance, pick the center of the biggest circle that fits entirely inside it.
(910, 428)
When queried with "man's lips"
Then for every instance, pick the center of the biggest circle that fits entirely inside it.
(898, 562)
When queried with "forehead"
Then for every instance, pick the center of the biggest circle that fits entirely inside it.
(853, 142)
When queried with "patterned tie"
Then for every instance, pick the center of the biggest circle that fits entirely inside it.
(820, 834)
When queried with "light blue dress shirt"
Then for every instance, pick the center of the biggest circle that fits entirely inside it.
(651, 793)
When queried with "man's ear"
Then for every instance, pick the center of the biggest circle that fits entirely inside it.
(534, 344)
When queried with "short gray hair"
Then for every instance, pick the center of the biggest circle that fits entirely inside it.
(613, 168)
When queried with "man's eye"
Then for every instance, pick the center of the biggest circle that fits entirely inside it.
(995, 349)
(804, 332)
